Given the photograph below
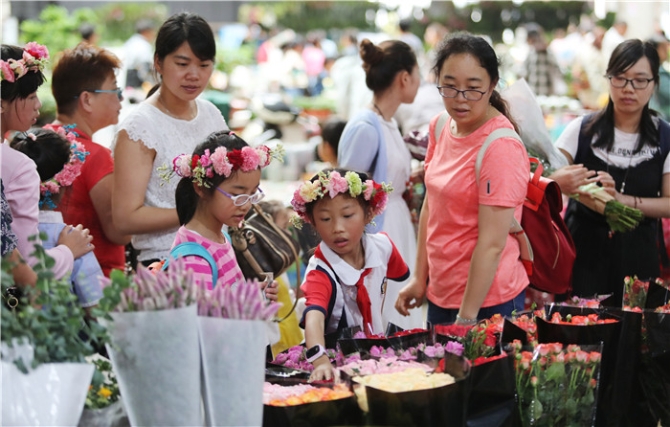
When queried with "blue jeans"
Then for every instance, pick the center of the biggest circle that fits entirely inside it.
(438, 315)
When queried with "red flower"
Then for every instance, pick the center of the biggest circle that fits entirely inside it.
(194, 161)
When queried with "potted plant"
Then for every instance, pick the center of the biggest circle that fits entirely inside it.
(104, 407)
(44, 372)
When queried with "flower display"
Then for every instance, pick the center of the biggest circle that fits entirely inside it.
(295, 358)
(478, 341)
(277, 395)
(35, 58)
(576, 301)
(556, 386)
(242, 300)
(333, 183)
(104, 389)
(221, 162)
(70, 171)
(589, 319)
(383, 365)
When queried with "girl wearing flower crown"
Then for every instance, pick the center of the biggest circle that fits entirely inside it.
(59, 158)
(20, 77)
(345, 281)
(220, 181)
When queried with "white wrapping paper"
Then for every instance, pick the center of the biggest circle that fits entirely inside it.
(528, 116)
(233, 370)
(51, 395)
(156, 359)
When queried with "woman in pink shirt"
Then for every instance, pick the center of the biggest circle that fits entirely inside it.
(467, 262)
(21, 71)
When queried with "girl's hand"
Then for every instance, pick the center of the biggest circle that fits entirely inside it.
(607, 182)
(411, 296)
(77, 239)
(323, 370)
(271, 291)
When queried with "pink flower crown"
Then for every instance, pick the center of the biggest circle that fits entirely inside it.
(223, 162)
(70, 171)
(332, 183)
(35, 58)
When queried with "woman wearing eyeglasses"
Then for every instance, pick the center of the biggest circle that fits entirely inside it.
(626, 146)
(371, 142)
(170, 122)
(467, 263)
(87, 100)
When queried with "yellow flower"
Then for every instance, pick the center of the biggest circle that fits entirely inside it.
(310, 191)
(104, 392)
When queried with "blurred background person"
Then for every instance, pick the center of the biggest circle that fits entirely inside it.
(660, 100)
(88, 33)
(613, 37)
(540, 68)
(139, 56)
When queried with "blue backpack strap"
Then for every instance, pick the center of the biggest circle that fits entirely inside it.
(194, 249)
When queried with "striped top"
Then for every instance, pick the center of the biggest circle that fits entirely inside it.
(224, 255)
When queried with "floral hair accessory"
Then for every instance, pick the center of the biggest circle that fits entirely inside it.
(70, 171)
(222, 162)
(331, 184)
(35, 58)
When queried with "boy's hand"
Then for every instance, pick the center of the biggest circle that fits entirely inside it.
(323, 370)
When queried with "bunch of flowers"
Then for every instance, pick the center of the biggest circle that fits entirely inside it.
(277, 395)
(588, 320)
(527, 323)
(619, 217)
(104, 389)
(151, 290)
(634, 293)
(332, 183)
(295, 358)
(479, 341)
(663, 309)
(383, 365)
(556, 386)
(70, 171)
(35, 58)
(240, 301)
(584, 302)
(222, 162)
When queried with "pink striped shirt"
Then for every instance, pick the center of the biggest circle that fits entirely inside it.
(224, 255)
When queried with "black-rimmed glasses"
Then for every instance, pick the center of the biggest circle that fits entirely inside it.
(468, 94)
(621, 82)
(242, 199)
(118, 91)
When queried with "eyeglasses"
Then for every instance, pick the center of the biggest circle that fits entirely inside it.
(469, 94)
(118, 91)
(636, 83)
(242, 199)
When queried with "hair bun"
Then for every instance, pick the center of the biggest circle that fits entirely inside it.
(371, 54)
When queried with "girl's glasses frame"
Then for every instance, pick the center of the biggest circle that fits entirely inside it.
(242, 199)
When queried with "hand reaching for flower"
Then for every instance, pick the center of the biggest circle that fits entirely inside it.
(323, 370)
(411, 296)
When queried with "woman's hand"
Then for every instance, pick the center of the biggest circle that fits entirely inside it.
(411, 296)
(77, 239)
(323, 370)
(271, 291)
(570, 178)
(607, 182)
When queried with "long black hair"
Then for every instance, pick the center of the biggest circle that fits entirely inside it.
(185, 196)
(466, 43)
(624, 56)
(23, 87)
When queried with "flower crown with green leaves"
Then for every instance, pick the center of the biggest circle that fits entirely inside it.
(35, 58)
(223, 162)
(333, 183)
(70, 171)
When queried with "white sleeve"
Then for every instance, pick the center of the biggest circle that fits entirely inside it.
(569, 138)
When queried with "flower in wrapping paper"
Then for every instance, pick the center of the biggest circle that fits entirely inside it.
(556, 385)
(104, 388)
(478, 341)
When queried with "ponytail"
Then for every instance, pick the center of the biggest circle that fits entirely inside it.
(500, 104)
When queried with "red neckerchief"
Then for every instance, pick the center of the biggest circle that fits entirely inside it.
(362, 297)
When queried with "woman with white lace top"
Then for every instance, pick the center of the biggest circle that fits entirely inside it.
(170, 122)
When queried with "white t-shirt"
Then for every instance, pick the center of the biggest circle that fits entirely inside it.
(621, 155)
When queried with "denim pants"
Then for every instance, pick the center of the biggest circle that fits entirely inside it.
(438, 315)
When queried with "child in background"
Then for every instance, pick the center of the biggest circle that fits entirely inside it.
(220, 181)
(331, 131)
(59, 158)
(345, 283)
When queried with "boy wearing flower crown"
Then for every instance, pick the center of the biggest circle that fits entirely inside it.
(59, 158)
(345, 281)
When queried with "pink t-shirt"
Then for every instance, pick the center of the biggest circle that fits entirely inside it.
(224, 255)
(454, 199)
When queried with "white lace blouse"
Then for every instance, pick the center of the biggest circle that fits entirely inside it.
(169, 137)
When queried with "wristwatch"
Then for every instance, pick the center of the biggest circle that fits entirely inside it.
(314, 353)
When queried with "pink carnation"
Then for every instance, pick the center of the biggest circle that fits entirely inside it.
(205, 159)
(49, 186)
(37, 50)
(220, 161)
(336, 184)
(250, 159)
(7, 72)
(18, 67)
(182, 165)
(381, 205)
(264, 155)
(369, 187)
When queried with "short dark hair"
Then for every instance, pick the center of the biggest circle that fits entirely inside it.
(331, 131)
(186, 27)
(87, 31)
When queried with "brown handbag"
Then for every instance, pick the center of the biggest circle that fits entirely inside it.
(262, 246)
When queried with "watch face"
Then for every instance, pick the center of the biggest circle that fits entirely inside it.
(311, 352)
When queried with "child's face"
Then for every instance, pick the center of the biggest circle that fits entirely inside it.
(223, 208)
(20, 114)
(341, 222)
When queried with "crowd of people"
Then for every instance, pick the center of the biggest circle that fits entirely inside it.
(371, 267)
